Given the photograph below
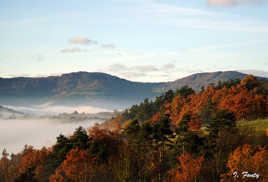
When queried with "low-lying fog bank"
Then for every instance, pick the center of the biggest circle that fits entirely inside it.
(14, 134)
(55, 109)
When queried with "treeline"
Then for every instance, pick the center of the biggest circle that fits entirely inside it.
(161, 141)
(247, 99)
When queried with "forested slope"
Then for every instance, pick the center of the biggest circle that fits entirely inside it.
(247, 99)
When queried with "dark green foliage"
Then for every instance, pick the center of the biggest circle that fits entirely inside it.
(168, 96)
(161, 130)
(101, 148)
(64, 145)
(132, 130)
(27, 176)
(227, 84)
(145, 133)
(60, 150)
(147, 108)
(202, 89)
(219, 142)
(262, 87)
(221, 120)
(79, 139)
(186, 140)
(184, 91)
(184, 125)
(207, 112)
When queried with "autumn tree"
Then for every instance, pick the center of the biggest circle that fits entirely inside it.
(245, 159)
(187, 170)
(187, 138)
(78, 167)
(4, 166)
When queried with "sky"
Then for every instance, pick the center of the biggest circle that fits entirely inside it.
(139, 40)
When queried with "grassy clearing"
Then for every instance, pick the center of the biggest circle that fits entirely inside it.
(260, 125)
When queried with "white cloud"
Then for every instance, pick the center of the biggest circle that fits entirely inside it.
(72, 50)
(108, 46)
(161, 9)
(146, 68)
(132, 74)
(169, 66)
(144, 72)
(138, 68)
(164, 14)
(18, 75)
(229, 25)
(117, 67)
(83, 41)
(233, 2)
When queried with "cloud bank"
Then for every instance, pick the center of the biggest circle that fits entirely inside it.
(80, 41)
(139, 71)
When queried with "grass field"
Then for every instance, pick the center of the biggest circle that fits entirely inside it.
(260, 125)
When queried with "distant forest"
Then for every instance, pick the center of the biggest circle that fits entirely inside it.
(180, 136)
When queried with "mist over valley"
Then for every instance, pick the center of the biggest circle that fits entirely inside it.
(15, 133)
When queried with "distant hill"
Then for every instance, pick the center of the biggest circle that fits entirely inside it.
(96, 89)
(84, 88)
(9, 113)
(196, 81)
(78, 83)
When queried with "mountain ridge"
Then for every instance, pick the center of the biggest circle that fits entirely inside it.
(197, 80)
(97, 88)
(6, 112)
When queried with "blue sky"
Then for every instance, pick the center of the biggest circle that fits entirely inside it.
(141, 40)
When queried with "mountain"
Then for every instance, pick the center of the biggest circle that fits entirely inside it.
(196, 81)
(9, 113)
(96, 89)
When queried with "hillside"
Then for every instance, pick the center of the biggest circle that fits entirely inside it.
(196, 81)
(75, 88)
(246, 99)
(96, 89)
(179, 136)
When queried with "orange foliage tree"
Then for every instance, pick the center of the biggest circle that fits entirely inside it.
(77, 167)
(247, 160)
(4, 166)
(187, 170)
(33, 159)
(247, 100)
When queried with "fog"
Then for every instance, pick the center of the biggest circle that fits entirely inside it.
(14, 134)
(55, 109)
